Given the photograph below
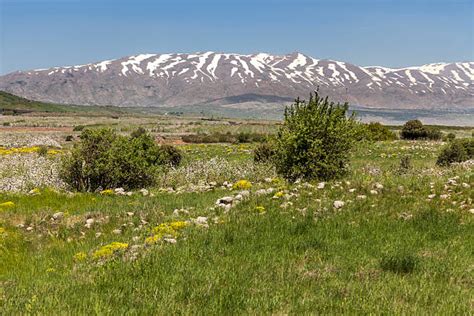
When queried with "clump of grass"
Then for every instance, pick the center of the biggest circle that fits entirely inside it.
(401, 263)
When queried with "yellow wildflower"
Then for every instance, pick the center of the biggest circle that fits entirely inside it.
(279, 194)
(178, 225)
(152, 239)
(242, 185)
(80, 256)
(107, 192)
(109, 250)
(8, 204)
(260, 209)
(50, 270)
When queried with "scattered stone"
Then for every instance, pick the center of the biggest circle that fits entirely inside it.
(321, 185)
(443, 196)
(170, 240)
(374, 192)
(144, 192)
(117, 231)
(378, 186)
(465, 185)
(98, 234)
(58, 216)
(338, 204)
(352, 190)
(471, 211)
(130, 214)
(225, 200)
(431, 196)
(119, 191)
(29, 228)
(361, 197)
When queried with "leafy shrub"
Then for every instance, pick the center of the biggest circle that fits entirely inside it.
(375, 131)
(138, 132)
(263, 153)
(6, 124)
(399, 263)
(413, 129)
(78, 128)
(450, 137)
(458, 150)
(107, 160)
(170, 155)
(315, 140)
(433, 133)
(405, 164)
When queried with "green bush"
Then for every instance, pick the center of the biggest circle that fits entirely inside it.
(263, 153)
(103, 159)
(375, 131)
(315, 140)
(170, 156)
(450, 137)
(433, 133)
(413, 129)
(458, 150)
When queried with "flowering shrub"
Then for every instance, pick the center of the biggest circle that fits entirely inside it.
(165, 230)
(8, 204)
(109, 250)
(242, 185)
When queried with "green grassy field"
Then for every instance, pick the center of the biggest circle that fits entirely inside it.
(401, 243)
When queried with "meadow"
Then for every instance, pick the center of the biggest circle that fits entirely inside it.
(221, 234)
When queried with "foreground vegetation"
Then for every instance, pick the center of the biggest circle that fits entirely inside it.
(381, 241)
(108, 221)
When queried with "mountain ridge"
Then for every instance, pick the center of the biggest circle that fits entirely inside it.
(176, 79)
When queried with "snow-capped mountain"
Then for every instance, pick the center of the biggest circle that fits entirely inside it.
(219, 79)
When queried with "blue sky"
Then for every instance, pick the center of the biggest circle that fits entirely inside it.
(46, 33)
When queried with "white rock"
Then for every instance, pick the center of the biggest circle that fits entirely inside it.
(144, 192)
(170, 240)
(29, 228)
(130, 213)
(119, 191)
(338, 204)
(321, 185)
(129, 193)
(58, 215)
(378, 186)
(90, 221)
(261, 192)
(98, 234)
(443, 196)
(431, 196)
(374, 192)
(117, 231)
(238, 197)
(352, 190)
(471, 211)
(465, 185)
(361, 197)
(225, 200)
(245, 193)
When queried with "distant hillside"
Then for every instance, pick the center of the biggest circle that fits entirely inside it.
(245, 81)
(12, 104)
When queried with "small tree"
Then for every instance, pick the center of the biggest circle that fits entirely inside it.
(314, 140)
(413, 129)
(375, 131)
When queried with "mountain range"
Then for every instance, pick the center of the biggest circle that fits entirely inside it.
(218, 79)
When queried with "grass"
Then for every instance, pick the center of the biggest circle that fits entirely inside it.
(393, 252)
